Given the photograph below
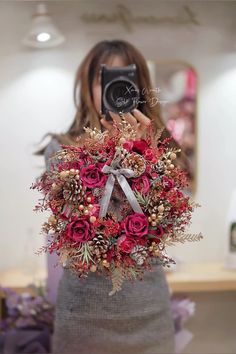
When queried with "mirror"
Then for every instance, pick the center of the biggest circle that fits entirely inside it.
(176, 85)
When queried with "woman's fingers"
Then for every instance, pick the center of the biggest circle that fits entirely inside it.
(137, 120)
(141, 117)
(143, 123)
(116, 118)
(108, 125)
(130, 119)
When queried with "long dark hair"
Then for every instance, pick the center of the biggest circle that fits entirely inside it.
(88, 71)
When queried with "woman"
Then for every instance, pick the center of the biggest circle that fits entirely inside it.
(136, 320)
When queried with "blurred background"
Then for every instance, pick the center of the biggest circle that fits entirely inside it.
(190, 48)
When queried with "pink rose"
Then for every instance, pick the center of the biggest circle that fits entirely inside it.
(168, 183)
(141, 184)
(80, 230)
(126, 243)
(92, 176)
(136, 225)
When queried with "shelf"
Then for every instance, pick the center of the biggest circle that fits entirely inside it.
(208, 276)
(205, 276)
(19, 280)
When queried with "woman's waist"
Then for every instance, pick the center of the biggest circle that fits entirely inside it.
(90, 296)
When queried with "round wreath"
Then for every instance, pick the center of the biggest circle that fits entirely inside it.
(116, 202)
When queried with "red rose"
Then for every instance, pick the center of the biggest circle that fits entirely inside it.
(92, 176)
(141, 184)
(158, 232)
(126, 243)
(148, 168)
(128, 145)
(136, 225)
(154, 174)
(180, 194)
(140, 146)
(168, 183)
(149, 155)
(80, 230)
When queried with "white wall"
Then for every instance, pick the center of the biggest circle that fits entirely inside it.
(36, 97)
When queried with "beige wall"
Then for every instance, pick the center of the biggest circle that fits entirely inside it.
(36, 97)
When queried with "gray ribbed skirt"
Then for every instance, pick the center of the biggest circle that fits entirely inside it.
(136, 320)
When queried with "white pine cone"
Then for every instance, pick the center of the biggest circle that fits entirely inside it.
(139, 254)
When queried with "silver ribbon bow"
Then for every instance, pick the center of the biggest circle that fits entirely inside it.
(120, 175)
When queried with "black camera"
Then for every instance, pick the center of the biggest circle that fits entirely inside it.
(120, 92)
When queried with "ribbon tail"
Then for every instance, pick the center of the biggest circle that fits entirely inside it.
(105, 200)
(129, 194)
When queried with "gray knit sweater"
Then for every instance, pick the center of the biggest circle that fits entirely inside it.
(136, 320)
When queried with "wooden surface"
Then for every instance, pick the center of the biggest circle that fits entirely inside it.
(20, 281)
(208, 276)
(211, 276)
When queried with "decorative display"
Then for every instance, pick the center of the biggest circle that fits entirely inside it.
(116, 202)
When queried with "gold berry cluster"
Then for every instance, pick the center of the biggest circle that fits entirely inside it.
(154, 249)
(156, 215)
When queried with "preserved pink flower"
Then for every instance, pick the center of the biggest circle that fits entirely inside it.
(141, 184)
(126, 243)
(92, 176)
(80, 230)
(136, 225)
(168, 183)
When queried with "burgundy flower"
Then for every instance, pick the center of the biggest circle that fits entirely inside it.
(149, 155)
(140, 146)
(91, 196)
(110, 254)
(158, 231)
(92, 176)
(80, 230)
(76, 164)
(168, 183)
(154, 174)
(141, 184)
(126, 243)
(136, 225)
(128, 145)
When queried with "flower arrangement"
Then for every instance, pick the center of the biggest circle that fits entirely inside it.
(116, 202)
(26, 310)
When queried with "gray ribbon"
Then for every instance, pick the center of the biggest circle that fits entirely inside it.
(120, 175)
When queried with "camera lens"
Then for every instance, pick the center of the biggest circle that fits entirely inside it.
(121, 95)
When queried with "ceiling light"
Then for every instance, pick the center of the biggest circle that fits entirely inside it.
(43, 33)
(43, 37)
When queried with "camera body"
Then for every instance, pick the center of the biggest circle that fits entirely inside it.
(120, 92)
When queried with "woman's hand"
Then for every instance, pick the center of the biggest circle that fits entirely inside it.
(137, 120)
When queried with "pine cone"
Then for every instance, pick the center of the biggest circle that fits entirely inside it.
(139, 254)
(160, 167)
(72, 190)
(135, 162)
(99, 245)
